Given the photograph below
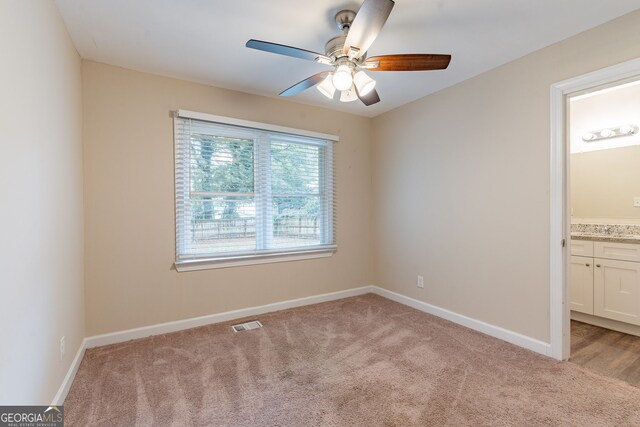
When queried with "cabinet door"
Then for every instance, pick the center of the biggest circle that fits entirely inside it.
(581, 289)
(617, 290)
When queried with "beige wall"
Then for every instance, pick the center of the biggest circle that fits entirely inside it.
(41, 249)
(461, 184)
(129, 193)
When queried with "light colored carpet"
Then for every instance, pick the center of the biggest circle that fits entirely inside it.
(359, 361)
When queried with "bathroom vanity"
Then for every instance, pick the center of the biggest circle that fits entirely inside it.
(605, 276)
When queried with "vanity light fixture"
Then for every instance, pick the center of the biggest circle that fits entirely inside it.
(596, 135)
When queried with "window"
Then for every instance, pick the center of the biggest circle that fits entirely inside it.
(249, 192)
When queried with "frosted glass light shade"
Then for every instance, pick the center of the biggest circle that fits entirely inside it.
(349, 95)
(342, 79)
(627, 129)
(326, 87)
(364, 83)
(606, 133)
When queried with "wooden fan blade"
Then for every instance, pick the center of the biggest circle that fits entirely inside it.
(370, 98)
(367, 25)
(282, 49)
(305, 84)
(407, 62)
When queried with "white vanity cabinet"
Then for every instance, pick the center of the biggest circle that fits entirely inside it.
(605, 280)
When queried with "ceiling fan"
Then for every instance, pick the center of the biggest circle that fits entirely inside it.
(347, 54)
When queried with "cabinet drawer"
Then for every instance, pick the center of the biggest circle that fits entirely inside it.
(619, 251)
(581, 247)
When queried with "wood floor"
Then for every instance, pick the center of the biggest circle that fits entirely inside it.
(607, 352)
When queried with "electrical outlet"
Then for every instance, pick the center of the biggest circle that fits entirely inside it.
(420, 282)
(636, 202)
(62, 349)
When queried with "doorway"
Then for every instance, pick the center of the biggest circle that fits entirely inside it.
(604, 254)
(562, 94)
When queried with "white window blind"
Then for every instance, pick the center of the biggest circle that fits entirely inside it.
(244, 192)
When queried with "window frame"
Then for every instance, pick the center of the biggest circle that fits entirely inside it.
(261, 144)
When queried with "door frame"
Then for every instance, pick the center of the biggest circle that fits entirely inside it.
(560, 210)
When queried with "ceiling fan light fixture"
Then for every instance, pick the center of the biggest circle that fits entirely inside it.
(342, 78)
(326, 87)
(363, 82)
(348, 95)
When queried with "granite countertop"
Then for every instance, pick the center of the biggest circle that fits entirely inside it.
(621, 233)
(605, 238)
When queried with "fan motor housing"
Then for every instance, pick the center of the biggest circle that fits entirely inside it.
(334, 47)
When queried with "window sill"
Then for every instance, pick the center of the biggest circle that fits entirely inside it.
(211, 263)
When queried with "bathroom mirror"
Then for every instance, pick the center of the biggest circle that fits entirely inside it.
(605, 171)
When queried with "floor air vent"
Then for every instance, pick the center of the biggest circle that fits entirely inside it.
(247, 326)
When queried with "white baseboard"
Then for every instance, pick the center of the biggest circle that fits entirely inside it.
(477, 325)
(179, 325)
(61, 395)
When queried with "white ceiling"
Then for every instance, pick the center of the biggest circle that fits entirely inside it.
(203, 40)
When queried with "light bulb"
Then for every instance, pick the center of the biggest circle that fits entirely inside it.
(364, 83)
(326, 87)
(349, 95)
(588, 136)
(342, 79)
(606, 133)
(626, 129)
